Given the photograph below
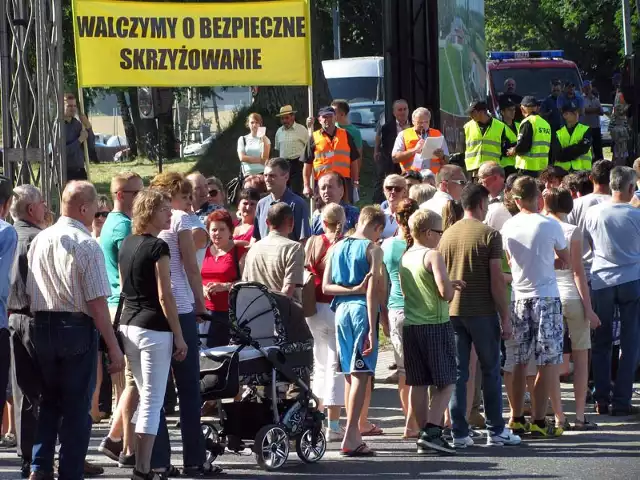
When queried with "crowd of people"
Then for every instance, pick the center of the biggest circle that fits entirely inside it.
(478, 278)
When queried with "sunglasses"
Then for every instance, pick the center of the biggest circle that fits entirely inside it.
(459, 182)
(101, 214)
(393, 188)
(213, 192)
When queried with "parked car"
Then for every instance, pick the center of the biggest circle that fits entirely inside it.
(365, 116)
(197, 149)
(605, 118)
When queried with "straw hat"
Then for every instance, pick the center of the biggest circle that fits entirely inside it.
(286, 110)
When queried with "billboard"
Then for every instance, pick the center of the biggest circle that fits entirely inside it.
(462, 67)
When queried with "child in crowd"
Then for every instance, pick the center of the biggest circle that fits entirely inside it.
(353, 275)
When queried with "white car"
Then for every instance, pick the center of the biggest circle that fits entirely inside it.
(197, 149)
(605, 119)
(365, 116)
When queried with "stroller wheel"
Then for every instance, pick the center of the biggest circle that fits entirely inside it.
(213, 448)
(271, 447)
(305, 448)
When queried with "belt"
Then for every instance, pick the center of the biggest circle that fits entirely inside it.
(21, 311)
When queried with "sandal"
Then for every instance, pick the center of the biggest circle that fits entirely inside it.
(361, 450)
(374, 431)
(208, 470)
(151, 475)
(584, 425)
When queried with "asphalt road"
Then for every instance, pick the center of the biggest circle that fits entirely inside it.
(612, 452)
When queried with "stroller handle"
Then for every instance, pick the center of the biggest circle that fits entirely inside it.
(243, 336)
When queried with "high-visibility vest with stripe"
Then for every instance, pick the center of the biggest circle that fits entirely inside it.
(331, 154)
(512, 136)
(537, 158)
(583, 162)
(411, 138)
(481, 148)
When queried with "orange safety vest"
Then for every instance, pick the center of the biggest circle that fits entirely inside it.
(331, 154)
(411, 138)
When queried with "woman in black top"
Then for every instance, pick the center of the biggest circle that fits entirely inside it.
(149, 320)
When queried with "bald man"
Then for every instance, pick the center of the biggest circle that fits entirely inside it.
(68, 288)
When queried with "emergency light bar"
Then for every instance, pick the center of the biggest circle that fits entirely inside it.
(525, 54)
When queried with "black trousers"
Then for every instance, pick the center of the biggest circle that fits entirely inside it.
(76, 174)
(5, 364)
(596, 137)
(384, 167)
(295, 182)
(25, 384)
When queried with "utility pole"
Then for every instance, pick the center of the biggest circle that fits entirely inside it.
(626, 27)
(335, 11)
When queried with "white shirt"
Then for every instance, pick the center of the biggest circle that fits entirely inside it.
(565, 278)
(531, 241)
(497, 216)
(437, 202)
(196, 224)
(66, 269)
(391, 226)
(179, 282)
(252, 147)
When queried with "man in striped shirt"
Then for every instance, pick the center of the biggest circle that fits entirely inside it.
(68, 288)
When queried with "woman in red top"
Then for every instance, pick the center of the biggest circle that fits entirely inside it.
(243, 232)
(327, 384)
(221, 268)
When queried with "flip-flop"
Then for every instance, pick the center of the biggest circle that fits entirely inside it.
(361, 450)
(374, 431)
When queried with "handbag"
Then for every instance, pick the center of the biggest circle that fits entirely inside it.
(309, 306)
(234, 187)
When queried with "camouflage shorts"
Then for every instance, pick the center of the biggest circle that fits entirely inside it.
(537, 330)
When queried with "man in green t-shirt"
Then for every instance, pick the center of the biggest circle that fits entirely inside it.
(124, 188)
(342, 120)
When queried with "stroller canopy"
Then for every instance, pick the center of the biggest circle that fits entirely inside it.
(271, 317)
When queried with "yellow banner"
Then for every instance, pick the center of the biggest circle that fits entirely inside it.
(120, 44)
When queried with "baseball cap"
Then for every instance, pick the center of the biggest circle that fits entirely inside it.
(6, 188)
(529, 101)
(477, 106)
(326, 111)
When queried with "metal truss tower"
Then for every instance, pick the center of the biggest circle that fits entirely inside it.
(31, 66)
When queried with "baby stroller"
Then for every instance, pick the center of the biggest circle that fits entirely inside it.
(271, 357)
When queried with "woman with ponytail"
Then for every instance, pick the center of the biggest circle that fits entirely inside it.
(327, 384)
(393, 248)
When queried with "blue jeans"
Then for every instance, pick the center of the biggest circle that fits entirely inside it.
(187, 377)
(65, 346)
(627, 297)
(484, 333)
(218, 334)
(161, 453)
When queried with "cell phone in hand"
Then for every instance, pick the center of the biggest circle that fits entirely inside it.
(262, 131)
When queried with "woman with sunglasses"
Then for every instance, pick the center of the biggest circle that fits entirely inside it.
(216, 194)
(395, 190)
(243, 231)
(104, 207)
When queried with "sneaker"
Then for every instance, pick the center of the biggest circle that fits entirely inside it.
(91, 470)
(126, 461)
(8, 441)
(432, 440)
(519, 428)
(505, 438)
(334, 435)
(476, 434)
(447, 434)
(549, 430)
(110, 448)
(463, 442)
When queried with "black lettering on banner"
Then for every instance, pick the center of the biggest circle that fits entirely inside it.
(121, 27)
(86, 26)
(217, 27)
(125, 55)
(171, 23)
(152, 59)
(134, 28)
(254, 27)
(205, 27)
(144, 25)
(188, 27)
(265, 27)
(183, 58)
(288, 27)
(256, 59)
(300, 27)
(236, 26)
(101, 27)
(225, 61)
(194, 59)
(138, 59)
(173, 55)
(226, 32)
(162, 61)
(277, 31)
(210, 59)
(159, 27)
(238, 59)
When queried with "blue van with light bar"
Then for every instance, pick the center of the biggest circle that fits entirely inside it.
(532, 71)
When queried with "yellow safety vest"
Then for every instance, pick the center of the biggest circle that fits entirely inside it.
(513, 138)
(332, 154)
(481, 148)
(583, 162)
(537, 158)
